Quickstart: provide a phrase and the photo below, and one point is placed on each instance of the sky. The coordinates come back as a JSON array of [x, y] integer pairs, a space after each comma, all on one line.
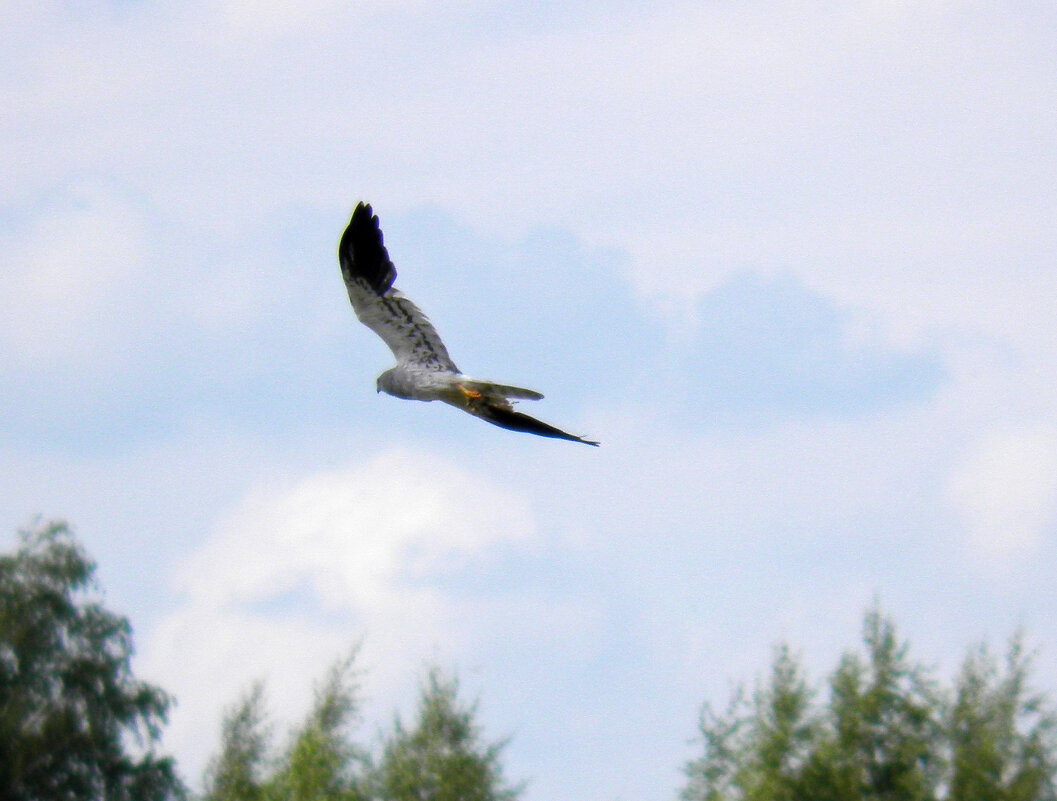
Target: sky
[[792, 263]]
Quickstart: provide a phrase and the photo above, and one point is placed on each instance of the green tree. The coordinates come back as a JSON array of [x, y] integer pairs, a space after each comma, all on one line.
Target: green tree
[[757, 749], [321, 763], [715, 775], [885, 725], [237, 773], [1003, 736], [442, 757], [886, 733], [782, 731], [69, 705]]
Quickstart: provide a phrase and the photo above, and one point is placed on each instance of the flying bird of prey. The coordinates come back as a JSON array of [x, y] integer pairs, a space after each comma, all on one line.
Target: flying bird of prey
[[423, 371]]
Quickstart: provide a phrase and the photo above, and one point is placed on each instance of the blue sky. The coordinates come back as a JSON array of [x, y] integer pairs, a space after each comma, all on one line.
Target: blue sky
[[792, 263]]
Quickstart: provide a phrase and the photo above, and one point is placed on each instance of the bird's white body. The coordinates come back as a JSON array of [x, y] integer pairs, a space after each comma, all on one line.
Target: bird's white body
[[408, 384]]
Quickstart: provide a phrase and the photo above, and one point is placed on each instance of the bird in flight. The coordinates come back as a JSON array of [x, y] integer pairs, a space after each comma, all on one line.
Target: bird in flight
[[423, 371]]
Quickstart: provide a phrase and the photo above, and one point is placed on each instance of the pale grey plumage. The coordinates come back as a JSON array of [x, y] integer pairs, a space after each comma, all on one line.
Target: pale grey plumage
[[424, 370]]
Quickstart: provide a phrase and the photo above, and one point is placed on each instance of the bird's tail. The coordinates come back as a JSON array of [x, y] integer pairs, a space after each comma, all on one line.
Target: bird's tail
[[487, 388]]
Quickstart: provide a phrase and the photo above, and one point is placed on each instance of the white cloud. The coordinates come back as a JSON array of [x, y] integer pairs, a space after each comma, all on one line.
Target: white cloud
[[296, 575], [69, 276], [355, 535], [894, 155], [889, 155], [1005, 490], [263, 20]]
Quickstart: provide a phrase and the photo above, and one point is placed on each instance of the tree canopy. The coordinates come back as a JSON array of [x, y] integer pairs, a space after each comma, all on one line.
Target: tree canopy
[[439, 758], [888, 731], [69, 704]]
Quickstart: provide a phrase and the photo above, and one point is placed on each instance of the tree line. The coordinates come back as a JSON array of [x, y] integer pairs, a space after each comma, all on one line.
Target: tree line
[[75, 724]]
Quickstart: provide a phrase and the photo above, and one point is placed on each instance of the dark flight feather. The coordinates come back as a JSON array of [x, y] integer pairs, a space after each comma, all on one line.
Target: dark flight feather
[[518, 421], [362, 253]]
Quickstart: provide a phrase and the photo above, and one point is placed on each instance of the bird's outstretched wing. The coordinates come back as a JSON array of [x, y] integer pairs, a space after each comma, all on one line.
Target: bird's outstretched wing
[[369, 276], [503, 415]]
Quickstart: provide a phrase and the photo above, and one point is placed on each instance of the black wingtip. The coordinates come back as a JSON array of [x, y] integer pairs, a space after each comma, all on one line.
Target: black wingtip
[[362, 252], [518, 421]]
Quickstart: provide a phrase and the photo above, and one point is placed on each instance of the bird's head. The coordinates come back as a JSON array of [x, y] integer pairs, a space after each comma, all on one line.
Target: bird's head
[[391, 383]]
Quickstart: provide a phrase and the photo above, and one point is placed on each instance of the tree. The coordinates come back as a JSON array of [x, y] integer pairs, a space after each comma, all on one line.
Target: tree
[[442, 757], [1003, 736], [757, 749], [886, 733], [885, 725], [321, 763], [69, 705], [236, 774], [783, 729]]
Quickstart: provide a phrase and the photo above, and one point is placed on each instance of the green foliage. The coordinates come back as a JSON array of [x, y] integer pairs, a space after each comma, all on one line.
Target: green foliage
[[321, 763], [715, 775], [887, 733], [784, 730], [757, 749], [238, 772], [1003, 738], [68, 701], [885, 725], [441, 758]]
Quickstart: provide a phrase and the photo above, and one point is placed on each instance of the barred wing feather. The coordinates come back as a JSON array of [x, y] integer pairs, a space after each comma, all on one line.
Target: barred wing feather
[[369, 275]]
